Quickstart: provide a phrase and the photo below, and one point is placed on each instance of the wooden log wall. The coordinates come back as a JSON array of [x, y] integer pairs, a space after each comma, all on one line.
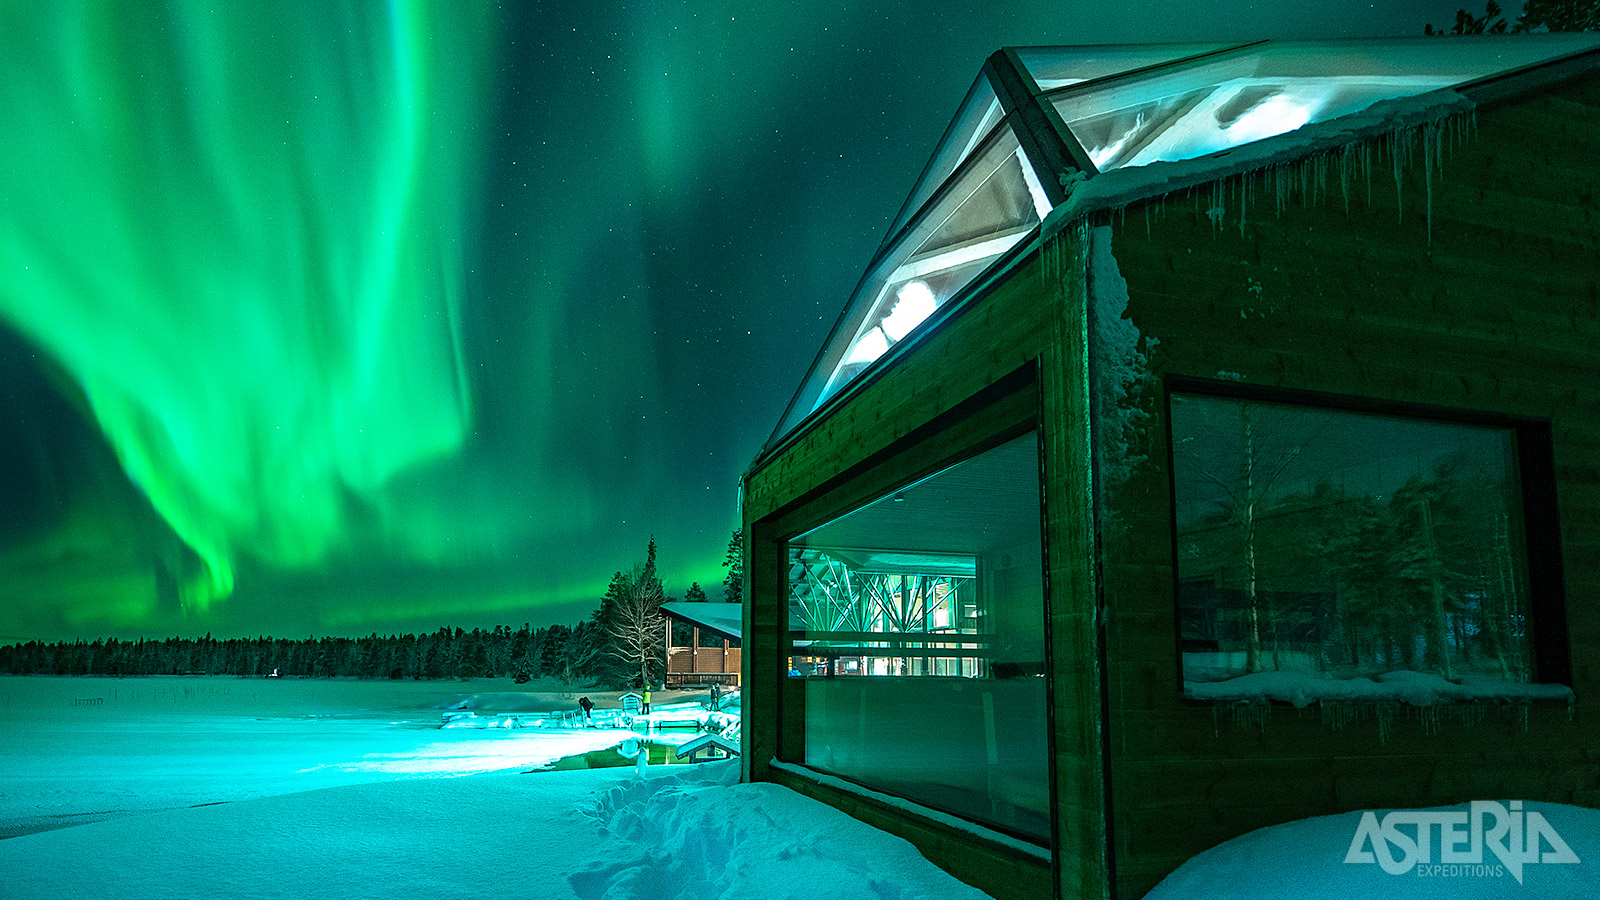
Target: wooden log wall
[[1494, 308]]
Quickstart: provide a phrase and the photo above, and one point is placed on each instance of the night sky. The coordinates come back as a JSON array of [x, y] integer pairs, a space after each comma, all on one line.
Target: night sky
[[347, 317]]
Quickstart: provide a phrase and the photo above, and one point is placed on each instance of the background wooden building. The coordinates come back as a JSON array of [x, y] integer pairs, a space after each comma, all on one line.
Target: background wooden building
[[1213, 442], [703, 642]]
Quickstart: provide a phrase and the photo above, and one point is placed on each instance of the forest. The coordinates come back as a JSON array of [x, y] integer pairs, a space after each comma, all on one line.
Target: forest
[[525, 653], [622, 643]]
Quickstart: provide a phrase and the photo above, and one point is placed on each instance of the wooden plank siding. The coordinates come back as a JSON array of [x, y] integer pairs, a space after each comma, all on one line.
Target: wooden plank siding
[[1495, 312], [708, 660]]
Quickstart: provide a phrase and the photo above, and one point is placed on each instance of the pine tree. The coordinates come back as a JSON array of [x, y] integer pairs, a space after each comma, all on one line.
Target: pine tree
[[521, 671], [649, 572], [695, 594], [1559, 15], [733, 585], [553, 652], [1537, 16], [1491, 22]]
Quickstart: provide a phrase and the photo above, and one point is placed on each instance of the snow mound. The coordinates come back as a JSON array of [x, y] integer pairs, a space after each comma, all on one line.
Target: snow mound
[[1305, 860], [701, 835]]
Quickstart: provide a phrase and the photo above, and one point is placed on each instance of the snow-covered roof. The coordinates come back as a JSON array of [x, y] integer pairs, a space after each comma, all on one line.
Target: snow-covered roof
[[1039, 121], [723, 618]]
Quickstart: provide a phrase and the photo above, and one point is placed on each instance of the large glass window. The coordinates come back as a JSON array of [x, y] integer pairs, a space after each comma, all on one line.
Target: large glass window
[[917, 641], [1327, 544]]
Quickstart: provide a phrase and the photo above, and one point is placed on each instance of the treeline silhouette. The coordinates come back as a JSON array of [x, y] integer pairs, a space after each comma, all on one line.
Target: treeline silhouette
[[609, 647], [525, 653]]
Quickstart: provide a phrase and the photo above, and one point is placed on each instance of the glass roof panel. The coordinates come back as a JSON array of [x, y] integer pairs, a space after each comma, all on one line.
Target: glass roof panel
[[1190, 110], [1127, 106], [992, 203], [980, 112], [1056, 67]]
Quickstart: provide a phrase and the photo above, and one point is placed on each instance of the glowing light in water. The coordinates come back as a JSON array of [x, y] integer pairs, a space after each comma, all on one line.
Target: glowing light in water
[[240, 229]]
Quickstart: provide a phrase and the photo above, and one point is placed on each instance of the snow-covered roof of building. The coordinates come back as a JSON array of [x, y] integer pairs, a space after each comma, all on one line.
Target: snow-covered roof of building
[[1039, 121], [723, 618]]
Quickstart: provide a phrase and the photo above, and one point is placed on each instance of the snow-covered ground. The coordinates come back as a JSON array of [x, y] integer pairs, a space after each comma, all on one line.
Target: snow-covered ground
[[75, 750], [689, 832], [680, 831], [225, 788]]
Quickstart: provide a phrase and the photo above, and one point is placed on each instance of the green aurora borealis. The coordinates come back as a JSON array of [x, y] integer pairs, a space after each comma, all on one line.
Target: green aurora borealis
[[331, 317]]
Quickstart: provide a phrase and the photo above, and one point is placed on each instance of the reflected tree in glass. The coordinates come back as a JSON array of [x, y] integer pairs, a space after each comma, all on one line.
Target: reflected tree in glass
[[1324, 540]]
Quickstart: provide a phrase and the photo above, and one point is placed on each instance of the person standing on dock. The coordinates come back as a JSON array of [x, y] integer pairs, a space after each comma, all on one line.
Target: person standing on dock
[[644, 706], [587, 705]]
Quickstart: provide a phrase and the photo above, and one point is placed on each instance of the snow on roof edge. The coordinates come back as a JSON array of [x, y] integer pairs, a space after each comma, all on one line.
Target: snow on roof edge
[[1122, 187], [709, 614]]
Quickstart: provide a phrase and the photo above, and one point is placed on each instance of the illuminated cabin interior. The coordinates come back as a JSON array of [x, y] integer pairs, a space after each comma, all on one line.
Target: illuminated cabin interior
[[1196, 388]]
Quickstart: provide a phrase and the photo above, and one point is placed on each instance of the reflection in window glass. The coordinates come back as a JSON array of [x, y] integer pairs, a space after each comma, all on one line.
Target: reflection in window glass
[[917, 624], [1346, 545]]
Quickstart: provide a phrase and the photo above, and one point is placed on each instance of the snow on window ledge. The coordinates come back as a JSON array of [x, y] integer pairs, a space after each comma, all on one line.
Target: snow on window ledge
[[917, 809], [1302, 689]]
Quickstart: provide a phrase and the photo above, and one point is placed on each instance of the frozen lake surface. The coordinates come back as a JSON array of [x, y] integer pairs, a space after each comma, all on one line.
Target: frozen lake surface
[[76, 750]]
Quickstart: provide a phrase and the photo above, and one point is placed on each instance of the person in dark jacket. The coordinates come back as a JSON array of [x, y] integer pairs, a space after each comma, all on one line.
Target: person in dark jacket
[[587, 706]]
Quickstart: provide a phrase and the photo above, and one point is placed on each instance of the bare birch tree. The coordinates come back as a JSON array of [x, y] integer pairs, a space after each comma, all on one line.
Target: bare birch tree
[[1244, 493], [638, 631]]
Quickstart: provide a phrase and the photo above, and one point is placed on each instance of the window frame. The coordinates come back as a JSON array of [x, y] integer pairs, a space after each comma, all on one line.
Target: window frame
[[1535, 463], [1007, 409]]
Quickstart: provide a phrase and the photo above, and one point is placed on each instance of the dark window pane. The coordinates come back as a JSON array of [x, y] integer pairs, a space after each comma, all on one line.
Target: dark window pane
[[682, 634], [1337, 544], [918, 625]]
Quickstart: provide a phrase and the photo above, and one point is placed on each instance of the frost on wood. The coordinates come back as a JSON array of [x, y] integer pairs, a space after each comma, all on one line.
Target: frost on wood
[[1119, 357]]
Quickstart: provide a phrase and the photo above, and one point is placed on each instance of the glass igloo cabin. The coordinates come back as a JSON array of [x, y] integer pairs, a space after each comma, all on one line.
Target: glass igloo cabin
[[1211, 443]]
